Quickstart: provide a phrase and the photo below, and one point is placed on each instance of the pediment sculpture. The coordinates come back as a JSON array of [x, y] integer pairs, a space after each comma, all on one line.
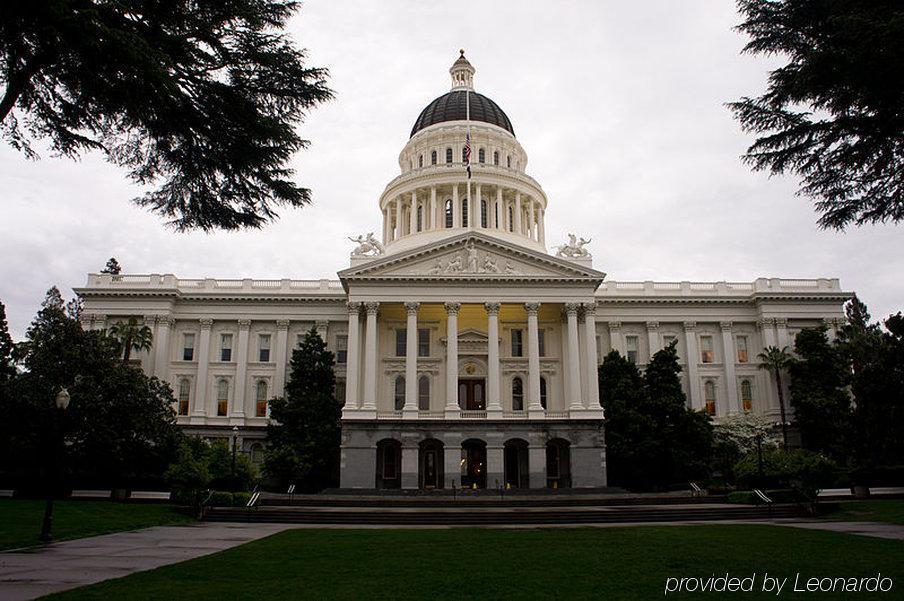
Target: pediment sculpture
[[469, 261]]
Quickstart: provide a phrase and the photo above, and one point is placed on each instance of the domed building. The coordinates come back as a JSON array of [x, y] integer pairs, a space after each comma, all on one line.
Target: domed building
[[466, 351]]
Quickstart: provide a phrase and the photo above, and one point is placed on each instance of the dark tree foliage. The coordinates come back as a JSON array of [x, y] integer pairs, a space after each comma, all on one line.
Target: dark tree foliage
[[834, 114], [653, 441], [876, 358], [7, 363], [822, 405], [200, 98], [112, 267], [304, 440], [119, 426]]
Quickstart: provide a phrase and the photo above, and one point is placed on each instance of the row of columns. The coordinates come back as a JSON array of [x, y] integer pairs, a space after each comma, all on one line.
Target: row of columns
[[527, 213]]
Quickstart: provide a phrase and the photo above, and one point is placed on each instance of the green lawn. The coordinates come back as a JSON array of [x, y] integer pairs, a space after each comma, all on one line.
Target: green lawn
[[891, 511], [585, 563], [20, 520]]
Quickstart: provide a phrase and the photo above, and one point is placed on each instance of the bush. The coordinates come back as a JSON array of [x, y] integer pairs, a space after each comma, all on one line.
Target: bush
[[219, 499], [748, 497], [200, 465], [240, 499], [793, 468]]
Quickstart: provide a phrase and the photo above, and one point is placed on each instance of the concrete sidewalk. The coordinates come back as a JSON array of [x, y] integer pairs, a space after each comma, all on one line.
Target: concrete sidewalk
[[875, 529], [65, 565]]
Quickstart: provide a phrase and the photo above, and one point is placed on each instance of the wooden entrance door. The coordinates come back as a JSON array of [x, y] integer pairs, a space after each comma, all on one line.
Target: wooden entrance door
[[471, 394]]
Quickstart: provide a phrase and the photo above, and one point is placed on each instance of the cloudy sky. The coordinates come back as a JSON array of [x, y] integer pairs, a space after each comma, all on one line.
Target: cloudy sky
[[619, 106]]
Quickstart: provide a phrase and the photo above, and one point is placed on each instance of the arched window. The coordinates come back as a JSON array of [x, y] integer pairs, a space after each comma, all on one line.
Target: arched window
[[483, 213], [423, 393], [509, 161], [746, 395], [517, 394], [481, 155], [260, 407], [496, 215], [463, 153], [184, 392], [399, 393], [433, 157], [511, 219], [709, 394], [449, 213], [464, 212], [495, 157], [543, 393], [448, 155], [420, 161], [222, 397], [420, 218]]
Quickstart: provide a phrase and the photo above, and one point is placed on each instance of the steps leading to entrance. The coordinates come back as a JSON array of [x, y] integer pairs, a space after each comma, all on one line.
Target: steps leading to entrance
[[453, 514]]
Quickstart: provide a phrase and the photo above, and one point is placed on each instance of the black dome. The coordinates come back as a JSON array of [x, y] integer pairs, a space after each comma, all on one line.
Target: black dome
[[451, 107]]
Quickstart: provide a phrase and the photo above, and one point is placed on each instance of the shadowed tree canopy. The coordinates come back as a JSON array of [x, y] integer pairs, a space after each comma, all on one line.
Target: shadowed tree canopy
[[834, 114], [197, 99]]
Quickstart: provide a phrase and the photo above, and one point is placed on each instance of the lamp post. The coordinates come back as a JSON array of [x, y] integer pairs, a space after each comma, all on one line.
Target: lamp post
[[62, 403], [235, 433]]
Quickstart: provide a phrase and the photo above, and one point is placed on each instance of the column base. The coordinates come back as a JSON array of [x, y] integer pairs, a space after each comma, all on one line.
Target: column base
[[494, 413], [584, 413], [359, 414], [409, 413], [453, 413], [537, 412]]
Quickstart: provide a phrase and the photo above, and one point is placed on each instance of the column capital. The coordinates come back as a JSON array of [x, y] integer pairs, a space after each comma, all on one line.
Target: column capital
[[372, 308], [282, 324], [321, 324], [492, 308], [766, 321], [572, 308], [411, 307], [353, 308], [781, 322], [590, 309], [689, 326], [244, 324], [452, 308], [205, 323], [166, 321], [725, 325], [532, 308], [150, 319], [614, 326], [652, 325]]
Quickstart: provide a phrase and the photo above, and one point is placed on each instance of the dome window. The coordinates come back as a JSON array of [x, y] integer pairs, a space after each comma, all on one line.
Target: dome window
[[483, 213], [433, 158], [464, 212], [449, 210], [481, 156], [420, 161], [511, 219], [449, 156], [509, 160], [495, 157], [420, 218]]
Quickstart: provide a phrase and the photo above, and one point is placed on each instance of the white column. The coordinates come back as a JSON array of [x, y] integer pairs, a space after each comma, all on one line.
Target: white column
[[386, 220], [352, 369], [693, 358], [615, 337], [574, 363], [452, 359], [432, 207], [498, 210], [410, 408], [241, 370], [728, 348], [280, 356], [162, 346], [370, 357], [784, 337], [531, 221], [518, 213], [652, 338], [591, 359], [542, 226], [456, 207], [494, 400], [767, 328], [398, 218], [412, 215], [478, 198], [200, 408], [533, 358]]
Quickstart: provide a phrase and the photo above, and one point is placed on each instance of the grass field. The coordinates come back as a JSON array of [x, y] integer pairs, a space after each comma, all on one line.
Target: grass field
[[891, 511], [584, 563], [20, 520]]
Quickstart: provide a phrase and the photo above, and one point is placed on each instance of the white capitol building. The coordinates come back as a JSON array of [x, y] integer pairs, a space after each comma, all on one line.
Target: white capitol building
[[466, 352]]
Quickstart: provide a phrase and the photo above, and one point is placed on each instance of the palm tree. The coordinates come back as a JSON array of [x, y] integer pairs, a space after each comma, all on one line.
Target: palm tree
[[130, 336], [776, 360]]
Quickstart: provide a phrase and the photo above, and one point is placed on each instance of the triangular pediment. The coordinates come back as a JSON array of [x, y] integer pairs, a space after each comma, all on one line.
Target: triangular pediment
[[472, 256]]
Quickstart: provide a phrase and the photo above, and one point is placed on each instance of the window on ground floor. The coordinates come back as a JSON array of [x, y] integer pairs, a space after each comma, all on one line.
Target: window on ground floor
[[222, 397], [709, 395], [184, 393], [746, 395], [423, 393], [260, 406]]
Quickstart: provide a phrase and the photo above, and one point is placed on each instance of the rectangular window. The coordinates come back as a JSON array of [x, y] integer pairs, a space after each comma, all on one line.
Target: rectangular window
[[517, 343], [741, 343], [263, 343], [188, 347], [423, 342], [340, 392], [631, 344], [226, 347], [706, 349], [342, 349], [401, 342], [184, 392], [222, 397], [541, 342]]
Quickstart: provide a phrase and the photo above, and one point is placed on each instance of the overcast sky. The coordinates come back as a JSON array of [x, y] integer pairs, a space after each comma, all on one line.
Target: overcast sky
[[619, 105]]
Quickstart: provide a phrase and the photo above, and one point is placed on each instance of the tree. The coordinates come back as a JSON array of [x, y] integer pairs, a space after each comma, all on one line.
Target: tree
[[112, 267], [834, 114], [7, 363], [304, 434], [822, 405], [130, 336], [202, 98], [776, 360]]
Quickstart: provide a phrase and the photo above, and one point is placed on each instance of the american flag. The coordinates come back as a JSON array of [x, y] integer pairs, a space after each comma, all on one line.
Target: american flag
[[467, 153]]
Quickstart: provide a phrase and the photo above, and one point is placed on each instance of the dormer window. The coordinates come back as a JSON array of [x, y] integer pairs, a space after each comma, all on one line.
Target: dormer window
[[495, 157], [448, 156]]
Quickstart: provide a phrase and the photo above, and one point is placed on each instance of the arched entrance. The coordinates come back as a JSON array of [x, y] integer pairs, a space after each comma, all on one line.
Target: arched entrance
[[474, 463], [516, 466], [389, 464], [558, 463], [430, 464]]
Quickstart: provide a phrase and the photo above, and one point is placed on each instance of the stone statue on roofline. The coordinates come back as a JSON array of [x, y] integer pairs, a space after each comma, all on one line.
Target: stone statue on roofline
[[574, 249], [368, 246]]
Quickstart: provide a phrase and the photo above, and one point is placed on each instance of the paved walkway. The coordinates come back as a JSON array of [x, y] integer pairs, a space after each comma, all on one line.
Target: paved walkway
[[876, 529], [70, 564]]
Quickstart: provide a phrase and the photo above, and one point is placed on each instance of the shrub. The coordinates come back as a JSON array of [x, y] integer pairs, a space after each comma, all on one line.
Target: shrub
[[748, 497], [220, 499], [793, 468], [240, 499]]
